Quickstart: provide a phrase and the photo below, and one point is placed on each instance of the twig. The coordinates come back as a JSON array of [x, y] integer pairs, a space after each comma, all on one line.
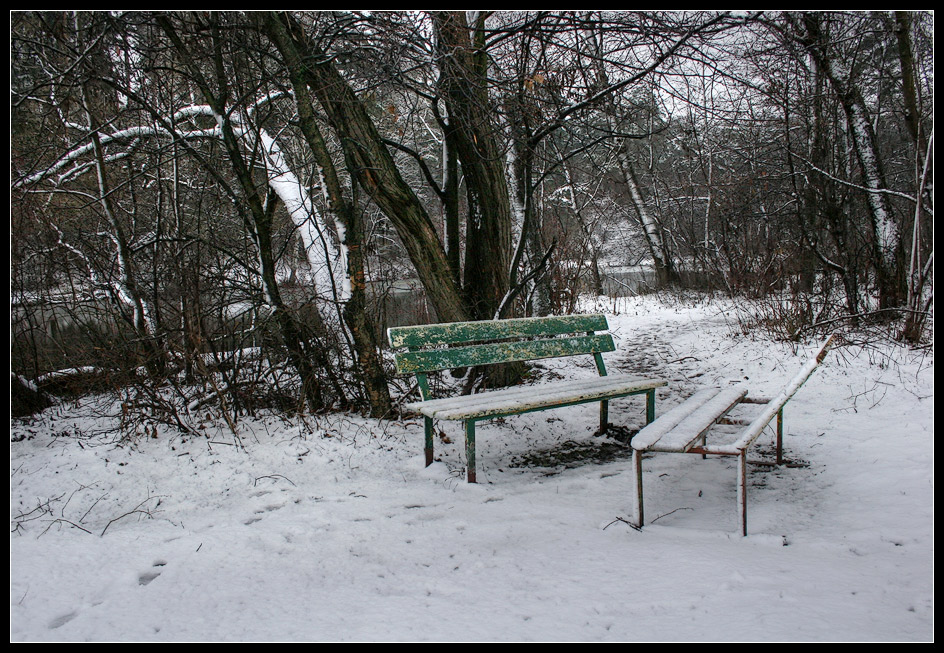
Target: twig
[[70, 523], [92, 506], [900, 309], [136, 510], [857, 186], [669, 513], [683, 358], [628, 523], [273, 476], [44, 506]]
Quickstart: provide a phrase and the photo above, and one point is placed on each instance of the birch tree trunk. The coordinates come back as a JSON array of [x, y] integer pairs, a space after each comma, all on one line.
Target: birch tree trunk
[[652, 230], [886, 237]]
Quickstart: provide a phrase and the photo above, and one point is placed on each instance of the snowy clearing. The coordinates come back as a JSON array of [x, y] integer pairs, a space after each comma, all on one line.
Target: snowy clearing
[[331, 528]]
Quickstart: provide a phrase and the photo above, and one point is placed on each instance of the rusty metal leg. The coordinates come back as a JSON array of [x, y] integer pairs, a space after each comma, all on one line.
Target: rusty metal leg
[[428, 427], [637, 502], [780, 436], [742, 491], [604, 415], [650, 406], [470, 449]]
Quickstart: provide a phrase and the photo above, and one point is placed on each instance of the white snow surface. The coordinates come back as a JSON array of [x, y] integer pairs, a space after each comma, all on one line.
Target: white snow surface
[[330, 528]]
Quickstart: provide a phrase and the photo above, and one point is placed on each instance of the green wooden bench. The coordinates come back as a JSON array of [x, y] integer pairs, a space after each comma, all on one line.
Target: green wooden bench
[[435, 347], [684, 429]]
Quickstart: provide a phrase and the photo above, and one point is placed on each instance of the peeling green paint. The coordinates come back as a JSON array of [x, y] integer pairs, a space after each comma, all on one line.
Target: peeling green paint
[[469, 344], [459, 332], [500, 352]]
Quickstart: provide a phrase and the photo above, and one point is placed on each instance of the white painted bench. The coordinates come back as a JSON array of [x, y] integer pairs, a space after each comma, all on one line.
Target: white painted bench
[[684, 429]]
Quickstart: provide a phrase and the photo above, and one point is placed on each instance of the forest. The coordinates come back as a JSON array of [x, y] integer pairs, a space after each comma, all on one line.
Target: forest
[[229, 209]]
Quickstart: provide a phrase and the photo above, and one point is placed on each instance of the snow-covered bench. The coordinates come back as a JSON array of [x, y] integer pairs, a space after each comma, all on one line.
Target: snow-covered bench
[[684, 429], [453, 345]]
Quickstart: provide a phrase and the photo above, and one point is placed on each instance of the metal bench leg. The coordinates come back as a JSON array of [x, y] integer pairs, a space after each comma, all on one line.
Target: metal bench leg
[[650, 406], [429, 440], [604, 415], [780, 436], [470, 449], [637, 503], [742, 491]]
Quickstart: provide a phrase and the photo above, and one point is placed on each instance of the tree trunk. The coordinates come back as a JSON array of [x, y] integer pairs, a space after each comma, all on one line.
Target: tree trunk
[[488, 230], [376, 172], [355, 308], [886, 239], [451, 205], [258, 223], [463, 81], [655, 238]]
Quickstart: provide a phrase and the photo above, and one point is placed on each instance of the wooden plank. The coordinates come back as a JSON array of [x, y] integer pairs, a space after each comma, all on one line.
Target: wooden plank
[[696, 424], [501, 352], [756, 427], [668, 421], [456, 332], [522, 399]]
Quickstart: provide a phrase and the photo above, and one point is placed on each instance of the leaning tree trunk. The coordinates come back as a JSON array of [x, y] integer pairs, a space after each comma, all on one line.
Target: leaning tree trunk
[[307, 360], [376, 172], [886, 239], [655, 238], [355, 307]]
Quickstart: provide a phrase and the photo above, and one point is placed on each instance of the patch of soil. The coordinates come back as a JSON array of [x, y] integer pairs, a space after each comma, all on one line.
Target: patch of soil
[[570, 454]]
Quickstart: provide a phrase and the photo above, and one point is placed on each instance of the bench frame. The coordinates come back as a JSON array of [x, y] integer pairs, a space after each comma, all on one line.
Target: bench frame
[[684, 429], [436, 347]]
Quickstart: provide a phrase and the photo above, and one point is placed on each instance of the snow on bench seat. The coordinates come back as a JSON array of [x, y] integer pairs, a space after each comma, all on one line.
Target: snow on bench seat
[[677, 430], [525, 398], [687, 425]]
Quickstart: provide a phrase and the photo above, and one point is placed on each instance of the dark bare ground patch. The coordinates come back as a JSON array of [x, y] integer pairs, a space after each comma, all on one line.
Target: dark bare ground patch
[[570, 454]]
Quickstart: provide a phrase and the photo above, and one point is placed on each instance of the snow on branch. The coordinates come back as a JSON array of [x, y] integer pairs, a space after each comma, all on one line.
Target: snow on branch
[[129, 134], [327, 259]]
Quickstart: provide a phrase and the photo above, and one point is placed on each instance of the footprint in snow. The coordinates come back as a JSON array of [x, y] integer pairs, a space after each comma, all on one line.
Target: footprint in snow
[[257, 515], [62, 620], [150, 575]]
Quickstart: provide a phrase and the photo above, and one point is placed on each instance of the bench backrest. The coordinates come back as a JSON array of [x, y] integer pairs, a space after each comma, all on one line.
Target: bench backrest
[[435, 347]]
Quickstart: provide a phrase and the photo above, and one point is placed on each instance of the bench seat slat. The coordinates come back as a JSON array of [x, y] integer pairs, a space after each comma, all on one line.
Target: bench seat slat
[[533, 397], [669, 420], [687, 422]]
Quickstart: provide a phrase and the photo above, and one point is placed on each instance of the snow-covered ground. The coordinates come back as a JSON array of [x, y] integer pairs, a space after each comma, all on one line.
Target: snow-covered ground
[[332, 529]]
